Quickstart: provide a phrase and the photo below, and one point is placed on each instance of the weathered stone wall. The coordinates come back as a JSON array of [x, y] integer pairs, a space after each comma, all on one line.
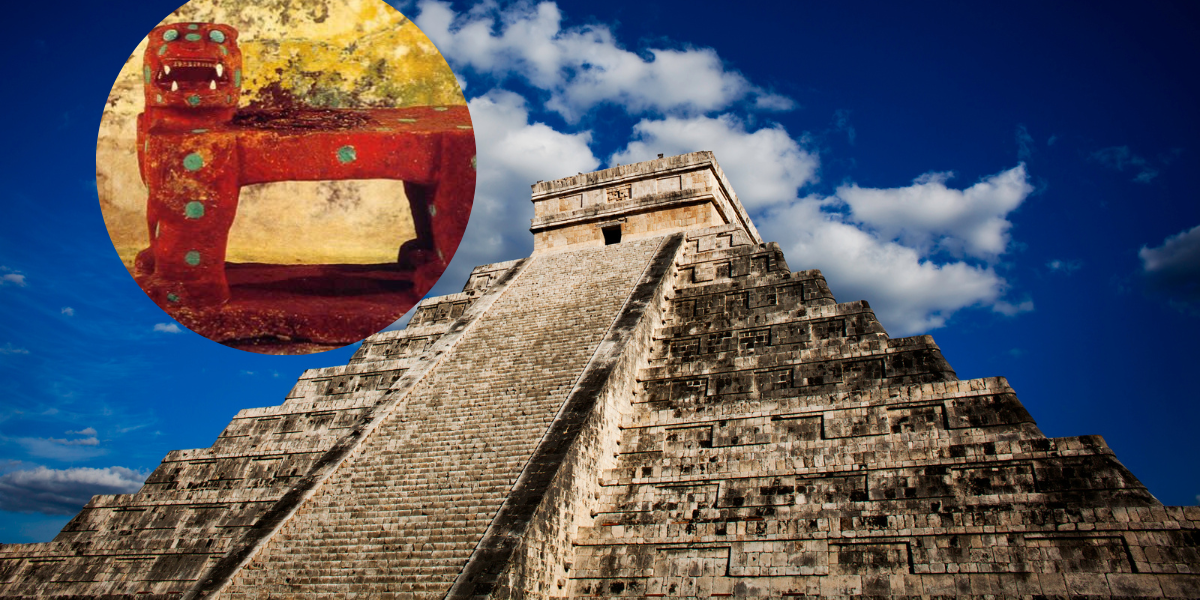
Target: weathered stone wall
[[783, 445]]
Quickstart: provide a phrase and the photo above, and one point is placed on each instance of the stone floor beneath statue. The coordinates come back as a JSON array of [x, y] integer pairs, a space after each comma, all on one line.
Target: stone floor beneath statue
[[301, 309]]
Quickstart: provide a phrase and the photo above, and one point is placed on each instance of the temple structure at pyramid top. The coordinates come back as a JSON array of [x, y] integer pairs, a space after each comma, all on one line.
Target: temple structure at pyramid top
[[640, 200], [652, 404]]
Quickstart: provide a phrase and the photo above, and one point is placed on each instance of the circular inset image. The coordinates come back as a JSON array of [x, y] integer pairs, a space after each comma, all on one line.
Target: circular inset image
[[287, 176]]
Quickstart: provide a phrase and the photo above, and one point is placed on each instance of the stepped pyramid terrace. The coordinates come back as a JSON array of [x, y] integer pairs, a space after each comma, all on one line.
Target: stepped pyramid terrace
[[652, 404]]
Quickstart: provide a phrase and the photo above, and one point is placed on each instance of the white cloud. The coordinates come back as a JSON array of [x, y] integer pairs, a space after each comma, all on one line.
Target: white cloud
[[841, 122], [515, 152], [62, 449], [775, 102], [929, 216], [167, 327], [16, 279], [1009, 309], [88, 441], [584, 66], [1122, 158], [1025, 143], [766, 166], [63, 491], [1178, 253], [909, 294], [880, 245], [1174, 266], [1064, 266], [67, 310], [85, 441], [8, 348]]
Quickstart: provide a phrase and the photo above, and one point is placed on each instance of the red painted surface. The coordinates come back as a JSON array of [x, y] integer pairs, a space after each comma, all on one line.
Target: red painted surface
[[195, 151]]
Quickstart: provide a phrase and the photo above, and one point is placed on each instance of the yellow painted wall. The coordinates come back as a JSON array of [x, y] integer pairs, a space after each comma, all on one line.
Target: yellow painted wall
[[323, 54]]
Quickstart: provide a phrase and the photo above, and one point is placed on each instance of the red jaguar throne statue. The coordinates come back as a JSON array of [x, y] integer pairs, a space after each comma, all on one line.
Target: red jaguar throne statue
[[196, 150]]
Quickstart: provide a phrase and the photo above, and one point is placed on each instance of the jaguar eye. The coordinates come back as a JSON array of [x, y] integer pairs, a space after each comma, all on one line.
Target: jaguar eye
[[216, 36], [170, 35]]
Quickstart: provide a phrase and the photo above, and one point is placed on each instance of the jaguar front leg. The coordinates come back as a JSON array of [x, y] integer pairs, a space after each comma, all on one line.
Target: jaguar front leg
[[193, 199]]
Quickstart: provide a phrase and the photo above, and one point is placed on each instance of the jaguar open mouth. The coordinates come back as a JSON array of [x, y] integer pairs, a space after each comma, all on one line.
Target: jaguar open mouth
[[190, 75]]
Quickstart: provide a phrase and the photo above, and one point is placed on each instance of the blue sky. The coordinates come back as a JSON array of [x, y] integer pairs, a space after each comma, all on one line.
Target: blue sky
[[1018, 180]]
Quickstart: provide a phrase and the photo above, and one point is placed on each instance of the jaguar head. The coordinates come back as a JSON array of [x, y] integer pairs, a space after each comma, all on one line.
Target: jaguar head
[[193, 66]]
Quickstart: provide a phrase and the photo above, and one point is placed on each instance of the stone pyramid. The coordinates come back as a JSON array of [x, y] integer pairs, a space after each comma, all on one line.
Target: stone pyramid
[[651, 405]]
